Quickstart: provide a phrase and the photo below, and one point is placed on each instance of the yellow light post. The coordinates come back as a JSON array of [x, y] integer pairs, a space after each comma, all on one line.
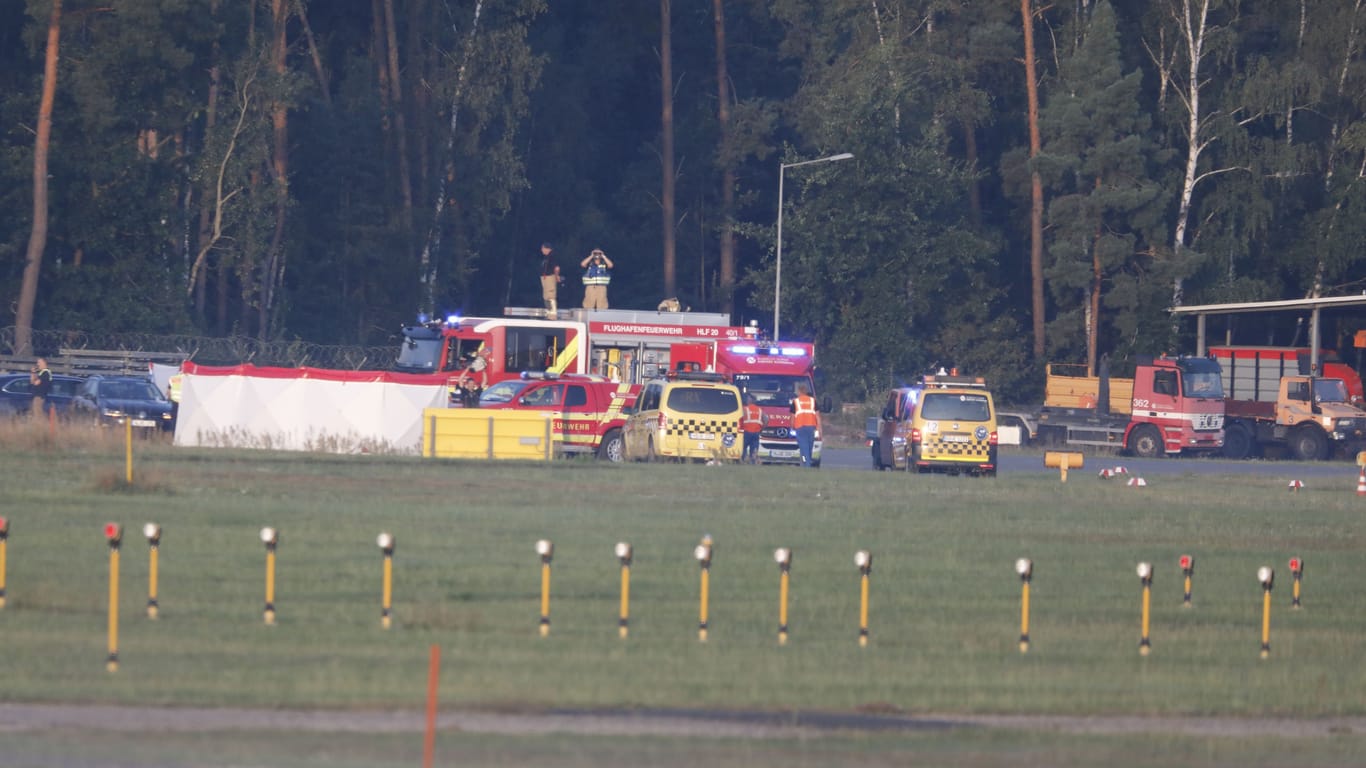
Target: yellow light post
[[270, 537], [546, 549], [128, 449], [783, 557], [4, 545], [1145, 575], [703, 553], [624, 553], [386, 602], [153, 533], [1025, 568], [1187, 570], [1266, 576], [1296, 571], [864, 560], [113, 532]]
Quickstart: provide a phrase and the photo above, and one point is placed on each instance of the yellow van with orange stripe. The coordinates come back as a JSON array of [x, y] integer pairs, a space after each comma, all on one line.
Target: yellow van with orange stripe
[[943, 423], [689, 417]]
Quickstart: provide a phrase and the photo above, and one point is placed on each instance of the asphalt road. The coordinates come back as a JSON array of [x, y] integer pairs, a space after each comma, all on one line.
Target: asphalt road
[[1029, 461]]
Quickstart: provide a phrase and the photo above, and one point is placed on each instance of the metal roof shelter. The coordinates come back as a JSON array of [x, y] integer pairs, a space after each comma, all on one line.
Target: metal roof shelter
[[1313, 306]]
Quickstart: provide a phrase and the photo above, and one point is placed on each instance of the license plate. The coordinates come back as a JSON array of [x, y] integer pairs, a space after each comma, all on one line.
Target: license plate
[[701, 436], [144, 423], [954, 438], [783, 454]]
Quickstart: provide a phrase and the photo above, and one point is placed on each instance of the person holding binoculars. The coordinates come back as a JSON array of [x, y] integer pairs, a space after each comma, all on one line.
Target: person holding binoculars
[[596, 279]]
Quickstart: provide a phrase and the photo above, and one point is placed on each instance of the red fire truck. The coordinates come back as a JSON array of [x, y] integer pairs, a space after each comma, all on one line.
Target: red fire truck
[[1170, 406], [626, 346]]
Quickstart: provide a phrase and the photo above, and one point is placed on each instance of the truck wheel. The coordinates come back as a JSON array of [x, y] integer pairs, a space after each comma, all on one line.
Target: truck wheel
[[1309, 443], [613, 447], [1146, 442], [1237, 442]]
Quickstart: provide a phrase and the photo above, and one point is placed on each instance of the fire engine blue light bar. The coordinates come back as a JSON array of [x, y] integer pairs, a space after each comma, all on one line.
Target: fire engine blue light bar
[[744, 349], [452, 319], [794, 352]]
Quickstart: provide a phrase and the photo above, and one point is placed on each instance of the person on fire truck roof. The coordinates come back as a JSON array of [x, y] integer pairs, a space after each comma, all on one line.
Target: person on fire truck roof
[[596, 279]]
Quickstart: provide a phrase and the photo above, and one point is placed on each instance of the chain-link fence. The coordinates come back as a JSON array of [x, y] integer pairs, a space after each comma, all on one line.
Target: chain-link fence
[[209, 350]]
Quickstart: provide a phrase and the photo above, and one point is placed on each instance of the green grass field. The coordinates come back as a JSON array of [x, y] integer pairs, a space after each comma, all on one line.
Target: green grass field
[[944, 618]]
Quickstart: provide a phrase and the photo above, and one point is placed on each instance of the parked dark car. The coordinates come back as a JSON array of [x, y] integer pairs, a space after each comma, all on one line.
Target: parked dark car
[[111, 399], [16, 393]]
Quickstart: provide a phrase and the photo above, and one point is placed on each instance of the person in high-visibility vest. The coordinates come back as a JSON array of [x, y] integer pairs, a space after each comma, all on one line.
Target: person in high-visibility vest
[[805, 421], [752, 423], [596, 279]]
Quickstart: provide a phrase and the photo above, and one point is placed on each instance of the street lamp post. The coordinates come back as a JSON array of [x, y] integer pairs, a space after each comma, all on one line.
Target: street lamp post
[[778, 277]]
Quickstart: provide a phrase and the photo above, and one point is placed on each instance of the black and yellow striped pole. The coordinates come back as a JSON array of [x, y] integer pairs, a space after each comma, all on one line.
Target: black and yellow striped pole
[[271, 538], [4, 546], [783, 557], [113, 532], [1296, 572], [1187, 570], [386, 601], [864, 560], [703, 553], [624, 553], [153, 533], [546, 549], [1145, 575], [1025, 568], [1266, 576]]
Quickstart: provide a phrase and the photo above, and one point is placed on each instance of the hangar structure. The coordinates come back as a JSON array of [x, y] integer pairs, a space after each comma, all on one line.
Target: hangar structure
[[1314, 307]]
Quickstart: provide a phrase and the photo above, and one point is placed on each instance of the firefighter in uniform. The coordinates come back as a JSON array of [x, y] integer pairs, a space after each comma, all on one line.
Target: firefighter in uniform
[[805, 421], [596, 279], [550, 279], [752, 423]]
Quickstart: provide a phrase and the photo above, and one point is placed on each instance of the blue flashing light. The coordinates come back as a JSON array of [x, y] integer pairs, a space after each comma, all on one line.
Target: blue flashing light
[[743, 349], [773, 350], [794, 352], [421, 318], [452, 319]]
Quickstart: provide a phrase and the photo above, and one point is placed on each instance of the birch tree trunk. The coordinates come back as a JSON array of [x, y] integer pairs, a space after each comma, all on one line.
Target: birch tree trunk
[[37, 239], [728, 164], [427, 270], [1193, 28], [666, 79], [1035, 184]]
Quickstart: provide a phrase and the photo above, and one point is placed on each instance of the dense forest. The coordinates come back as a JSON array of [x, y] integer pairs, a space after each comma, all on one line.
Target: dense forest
[[1030, 181]]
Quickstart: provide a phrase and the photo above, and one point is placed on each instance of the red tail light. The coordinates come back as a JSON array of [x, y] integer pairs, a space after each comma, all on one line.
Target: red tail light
[[663, 422], [994, 439], [915, 435]]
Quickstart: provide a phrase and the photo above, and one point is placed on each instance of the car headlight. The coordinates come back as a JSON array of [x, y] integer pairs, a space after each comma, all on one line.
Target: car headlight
[[112, 413], [1346, 423]]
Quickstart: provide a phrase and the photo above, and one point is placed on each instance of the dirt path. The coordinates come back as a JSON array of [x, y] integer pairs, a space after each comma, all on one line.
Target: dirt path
[[745, 725]]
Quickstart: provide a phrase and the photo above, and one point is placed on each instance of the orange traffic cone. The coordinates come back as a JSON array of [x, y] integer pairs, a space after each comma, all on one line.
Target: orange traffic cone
[[1361, 482]]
